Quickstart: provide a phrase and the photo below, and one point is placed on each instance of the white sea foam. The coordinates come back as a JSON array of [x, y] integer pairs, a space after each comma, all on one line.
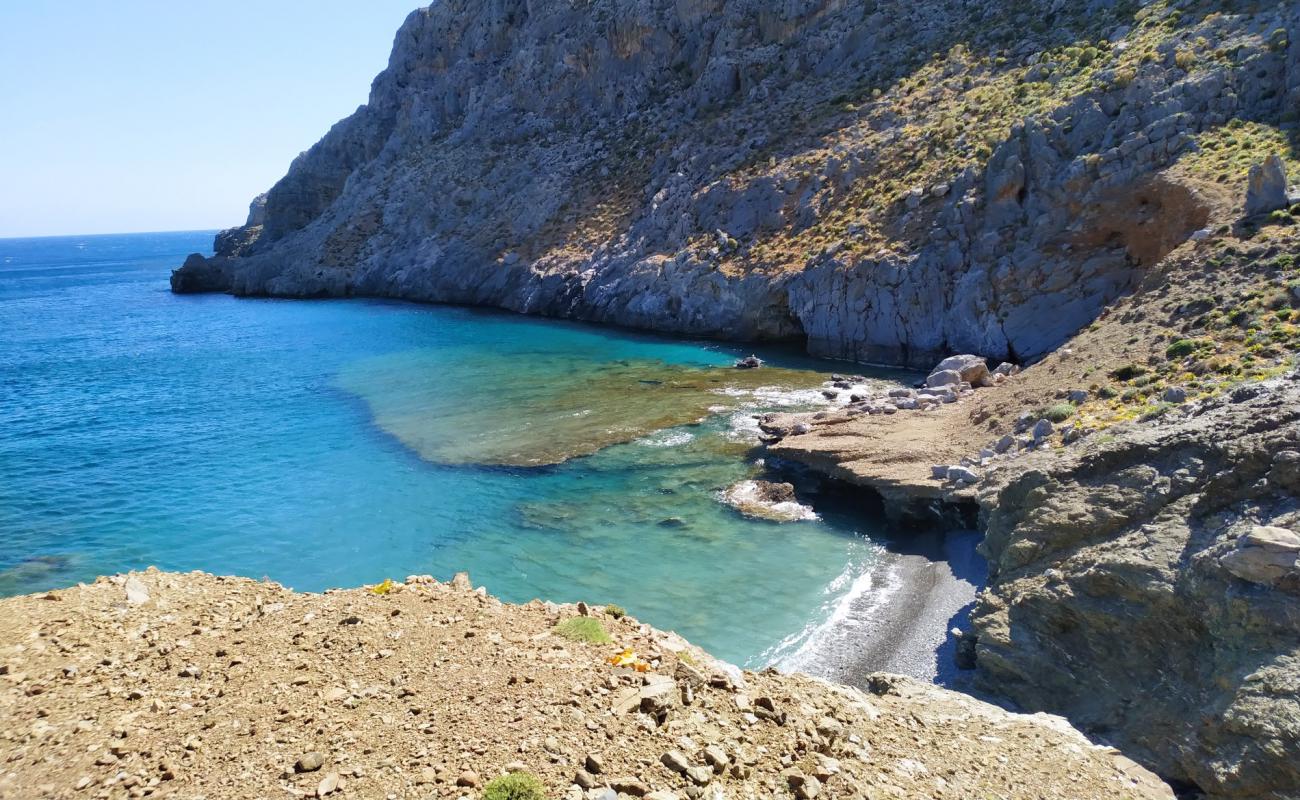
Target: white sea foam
[[838, 618], [666, 439], [746, 498]]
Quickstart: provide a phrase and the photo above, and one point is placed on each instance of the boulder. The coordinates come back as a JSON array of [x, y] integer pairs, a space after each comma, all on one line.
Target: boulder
[[1266, 187], [749, 362], [963, 474], [971, 368], [1042, 429], [943, 377]]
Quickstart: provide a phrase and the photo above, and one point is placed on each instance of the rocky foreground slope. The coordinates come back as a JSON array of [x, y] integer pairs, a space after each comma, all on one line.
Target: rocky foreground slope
[[889, 181], [164, 685]]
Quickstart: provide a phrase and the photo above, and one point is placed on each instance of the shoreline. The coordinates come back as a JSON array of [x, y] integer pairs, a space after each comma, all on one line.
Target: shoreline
[[900, 622]]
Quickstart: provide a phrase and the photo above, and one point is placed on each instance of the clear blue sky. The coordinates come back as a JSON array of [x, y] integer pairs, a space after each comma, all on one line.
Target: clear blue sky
[[154, 115]]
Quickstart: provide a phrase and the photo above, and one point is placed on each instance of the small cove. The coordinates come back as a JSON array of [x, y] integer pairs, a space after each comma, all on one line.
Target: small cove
[[334, 443]]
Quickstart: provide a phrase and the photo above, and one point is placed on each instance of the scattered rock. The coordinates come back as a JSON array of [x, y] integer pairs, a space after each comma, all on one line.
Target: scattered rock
[[468, 778], [310, 762], [749, 362]]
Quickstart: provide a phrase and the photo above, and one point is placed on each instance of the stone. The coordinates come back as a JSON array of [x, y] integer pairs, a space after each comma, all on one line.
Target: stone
[[962, 474], [661, 795], [675, 761], [700, 776], [584, 779], [594, 764], [1174, 394], [136, 592], [1077, 396], [468, 778], [1042, 429], [940, 471], [1266, 187], [716, 757], [947, 377], [310, 762], [970, 368], [749, 362], [1004, 444], [328, 784], [1272, 538], [630, 785]]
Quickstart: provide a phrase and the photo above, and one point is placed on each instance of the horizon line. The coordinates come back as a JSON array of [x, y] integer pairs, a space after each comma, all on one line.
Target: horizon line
[[107, 233]]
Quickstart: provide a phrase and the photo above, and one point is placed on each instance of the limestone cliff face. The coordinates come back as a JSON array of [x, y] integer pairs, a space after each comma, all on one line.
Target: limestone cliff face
[[1146, 586], [891, 180]]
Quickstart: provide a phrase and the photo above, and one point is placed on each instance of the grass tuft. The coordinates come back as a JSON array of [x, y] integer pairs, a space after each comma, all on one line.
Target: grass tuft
[[515, 786], [583, 629]]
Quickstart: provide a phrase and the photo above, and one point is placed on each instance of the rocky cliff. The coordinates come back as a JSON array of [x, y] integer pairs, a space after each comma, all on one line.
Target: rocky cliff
[[163, 685], [1147, 585], [888, 180]]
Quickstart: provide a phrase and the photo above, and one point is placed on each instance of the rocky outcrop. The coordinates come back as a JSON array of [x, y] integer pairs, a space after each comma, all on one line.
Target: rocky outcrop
[[1266, 187], [157, 684], [714, 167], [1145, 585]]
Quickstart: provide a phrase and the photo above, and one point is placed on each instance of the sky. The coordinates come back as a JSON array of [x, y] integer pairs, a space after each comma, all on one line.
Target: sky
[[119, 116]]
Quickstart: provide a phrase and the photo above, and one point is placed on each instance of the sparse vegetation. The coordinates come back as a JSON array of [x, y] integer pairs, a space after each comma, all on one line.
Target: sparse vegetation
[[1060, 412], [515, 786], [582, 629]]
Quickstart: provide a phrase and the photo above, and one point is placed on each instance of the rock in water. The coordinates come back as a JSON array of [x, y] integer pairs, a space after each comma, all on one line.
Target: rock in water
[[1266, 187], [749, 362]]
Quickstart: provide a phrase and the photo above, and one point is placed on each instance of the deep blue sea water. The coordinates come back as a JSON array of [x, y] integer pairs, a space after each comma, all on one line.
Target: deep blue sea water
[[334, 443]]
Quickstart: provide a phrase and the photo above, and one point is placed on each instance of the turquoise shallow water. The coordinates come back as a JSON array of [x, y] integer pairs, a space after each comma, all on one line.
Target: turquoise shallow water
[[246, 436]]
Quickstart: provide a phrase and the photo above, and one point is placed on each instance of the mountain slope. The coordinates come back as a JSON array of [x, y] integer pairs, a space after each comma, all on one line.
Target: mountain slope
[[891, 181]]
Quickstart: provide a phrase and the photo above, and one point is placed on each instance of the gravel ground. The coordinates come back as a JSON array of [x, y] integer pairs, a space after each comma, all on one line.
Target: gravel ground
[[193, 686]]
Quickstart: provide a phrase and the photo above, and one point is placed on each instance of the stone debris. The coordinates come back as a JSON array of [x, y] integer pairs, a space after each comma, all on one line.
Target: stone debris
[[293, 704]]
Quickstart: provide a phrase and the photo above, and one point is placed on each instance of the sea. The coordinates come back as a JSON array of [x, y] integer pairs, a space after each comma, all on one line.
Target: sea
[[335, 443]]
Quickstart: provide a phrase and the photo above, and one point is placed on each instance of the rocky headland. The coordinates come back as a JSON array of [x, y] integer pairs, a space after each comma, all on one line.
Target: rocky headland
[[1082, 210]]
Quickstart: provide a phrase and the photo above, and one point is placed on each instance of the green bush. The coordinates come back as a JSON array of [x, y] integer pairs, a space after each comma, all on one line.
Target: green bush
[[1059, 412], [583, 629], [1128, 372], [1181, 348], [617, 612], [515, 786]]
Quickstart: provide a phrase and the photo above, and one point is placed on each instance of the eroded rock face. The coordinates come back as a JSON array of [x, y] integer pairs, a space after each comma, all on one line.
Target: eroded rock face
[[619, 162], [1146, 587]]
